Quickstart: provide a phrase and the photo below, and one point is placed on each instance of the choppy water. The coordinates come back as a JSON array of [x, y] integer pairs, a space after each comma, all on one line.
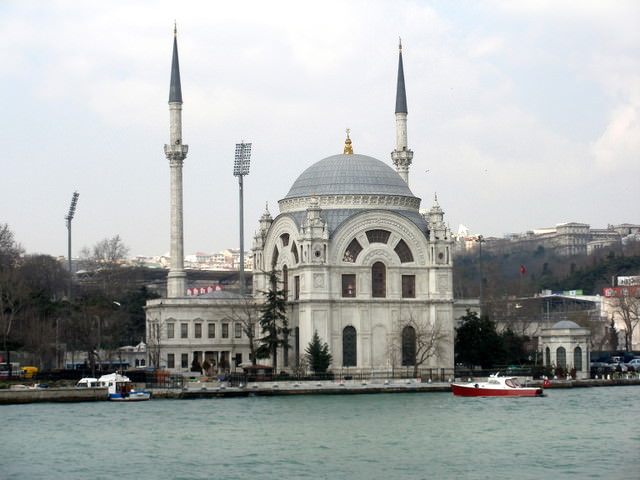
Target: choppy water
[[576, 433]]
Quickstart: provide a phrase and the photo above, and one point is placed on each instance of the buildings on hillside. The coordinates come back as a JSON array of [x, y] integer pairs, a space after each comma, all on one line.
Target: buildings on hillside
[[225, 260], [360, 265], [564, 239]]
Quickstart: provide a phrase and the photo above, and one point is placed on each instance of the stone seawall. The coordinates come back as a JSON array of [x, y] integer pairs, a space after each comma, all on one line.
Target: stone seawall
[[221, 390], [32, 395]]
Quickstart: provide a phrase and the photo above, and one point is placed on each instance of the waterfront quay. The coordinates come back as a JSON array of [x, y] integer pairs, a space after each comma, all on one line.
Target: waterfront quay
[[194, 390], [348, 387]]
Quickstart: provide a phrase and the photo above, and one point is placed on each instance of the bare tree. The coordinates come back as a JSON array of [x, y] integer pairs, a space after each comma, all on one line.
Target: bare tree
[[109, 252], [247, 314], [104, 263], [417, 341], [154, 342], [12, 293], [626, 306]]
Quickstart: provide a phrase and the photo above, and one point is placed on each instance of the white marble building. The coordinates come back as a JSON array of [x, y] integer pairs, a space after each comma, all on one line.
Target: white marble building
[[566, 344], [356, 257]]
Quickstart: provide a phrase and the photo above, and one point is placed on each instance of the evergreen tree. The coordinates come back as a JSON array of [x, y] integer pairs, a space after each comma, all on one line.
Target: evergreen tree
[[478, 342], [318, 355], [273, 321]]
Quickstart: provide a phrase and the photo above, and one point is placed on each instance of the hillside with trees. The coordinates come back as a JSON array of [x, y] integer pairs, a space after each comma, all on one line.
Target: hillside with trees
[[500, 273]]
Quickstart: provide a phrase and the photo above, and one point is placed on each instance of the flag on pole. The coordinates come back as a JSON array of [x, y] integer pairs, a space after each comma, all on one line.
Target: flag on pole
[[522, 270]]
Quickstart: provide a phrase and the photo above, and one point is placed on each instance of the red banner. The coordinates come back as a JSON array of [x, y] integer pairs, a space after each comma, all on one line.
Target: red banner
[[621, 292], [193, 292]]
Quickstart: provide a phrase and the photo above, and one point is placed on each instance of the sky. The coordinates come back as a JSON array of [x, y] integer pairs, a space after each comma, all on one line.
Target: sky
[[522, 115]]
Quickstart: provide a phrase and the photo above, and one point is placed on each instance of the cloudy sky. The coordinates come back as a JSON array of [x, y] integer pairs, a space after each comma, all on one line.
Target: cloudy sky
[[521, 114]]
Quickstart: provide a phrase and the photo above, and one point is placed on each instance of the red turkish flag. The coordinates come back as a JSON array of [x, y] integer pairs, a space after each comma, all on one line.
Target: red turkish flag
[[523, 270]]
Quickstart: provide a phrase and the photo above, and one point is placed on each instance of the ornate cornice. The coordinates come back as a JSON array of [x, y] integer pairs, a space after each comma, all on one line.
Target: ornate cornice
[[351, 201]]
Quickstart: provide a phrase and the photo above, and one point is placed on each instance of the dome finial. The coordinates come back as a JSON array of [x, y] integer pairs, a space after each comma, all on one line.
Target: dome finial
[[348, 150], [400, 43]]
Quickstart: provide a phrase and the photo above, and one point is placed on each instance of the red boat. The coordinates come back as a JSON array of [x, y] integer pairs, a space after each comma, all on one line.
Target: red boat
[[496, 386]]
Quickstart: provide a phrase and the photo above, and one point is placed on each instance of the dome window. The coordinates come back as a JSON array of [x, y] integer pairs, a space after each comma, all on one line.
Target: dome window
[[404, 252], [378, 236], [352, 251]]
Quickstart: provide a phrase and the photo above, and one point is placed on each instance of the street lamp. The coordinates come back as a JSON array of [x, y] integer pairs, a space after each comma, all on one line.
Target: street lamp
[[240, 169], [480, 240], [68, 218]]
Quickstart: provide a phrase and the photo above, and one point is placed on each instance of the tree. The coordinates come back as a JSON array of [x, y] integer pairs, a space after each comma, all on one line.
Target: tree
[[246, 314], [154, 343], [273, 321], [478, 342], [626, 306], [514, 347], [12, 292], [104, 265], [418, 342], [44, 281], [317, 354]]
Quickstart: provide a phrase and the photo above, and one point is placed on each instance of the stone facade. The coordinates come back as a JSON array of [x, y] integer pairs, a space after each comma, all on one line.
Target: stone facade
[[567, 345], [358, 261], [357, 275]]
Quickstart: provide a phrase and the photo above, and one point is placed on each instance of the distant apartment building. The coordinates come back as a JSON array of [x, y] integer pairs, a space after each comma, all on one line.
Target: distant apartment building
[[226, 260], [565, 239]]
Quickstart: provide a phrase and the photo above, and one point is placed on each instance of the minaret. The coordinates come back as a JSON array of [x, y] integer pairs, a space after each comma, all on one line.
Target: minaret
[[401, 156], [176, 152]]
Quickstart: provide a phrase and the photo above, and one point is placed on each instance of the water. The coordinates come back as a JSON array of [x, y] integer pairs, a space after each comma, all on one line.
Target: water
[[574, 433]]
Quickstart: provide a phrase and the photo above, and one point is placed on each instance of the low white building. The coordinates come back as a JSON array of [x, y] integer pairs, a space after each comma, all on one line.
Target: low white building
[[566, 344]]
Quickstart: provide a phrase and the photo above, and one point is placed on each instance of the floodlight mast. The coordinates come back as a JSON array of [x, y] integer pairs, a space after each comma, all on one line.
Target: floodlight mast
[[240, 169], [68, 218]]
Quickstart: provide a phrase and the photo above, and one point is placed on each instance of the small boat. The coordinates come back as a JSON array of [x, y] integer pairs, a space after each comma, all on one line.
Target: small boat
[[496, 386], [119, 387]]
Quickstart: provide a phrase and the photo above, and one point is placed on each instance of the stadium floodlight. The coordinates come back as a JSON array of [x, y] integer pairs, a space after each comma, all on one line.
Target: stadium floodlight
[[68, 218], [243, 159], [240, 169]]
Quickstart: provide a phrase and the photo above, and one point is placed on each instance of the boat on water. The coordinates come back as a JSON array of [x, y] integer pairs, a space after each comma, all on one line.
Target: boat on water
[[119, 387], [496, 386]]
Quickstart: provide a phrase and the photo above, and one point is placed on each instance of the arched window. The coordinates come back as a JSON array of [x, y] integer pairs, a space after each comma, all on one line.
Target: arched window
[[352, 251], [274, 258], [349, 347], [408, 346], [285, 281], [378, 280], [404, 252], [378, 236], [547, 356], [577, 359], [285, 239], [561, 357], [294, 251]]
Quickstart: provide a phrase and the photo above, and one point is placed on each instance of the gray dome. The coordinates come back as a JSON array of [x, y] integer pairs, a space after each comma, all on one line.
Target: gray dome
[[350, 174], [566, 324]]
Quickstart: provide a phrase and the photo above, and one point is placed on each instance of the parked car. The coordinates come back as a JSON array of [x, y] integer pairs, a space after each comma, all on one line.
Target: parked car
[[619, 365], [635, 363]]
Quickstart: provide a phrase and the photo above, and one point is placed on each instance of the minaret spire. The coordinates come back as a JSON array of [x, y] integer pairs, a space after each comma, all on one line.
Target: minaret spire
[[175, 90], [401, 156], [176, 152]]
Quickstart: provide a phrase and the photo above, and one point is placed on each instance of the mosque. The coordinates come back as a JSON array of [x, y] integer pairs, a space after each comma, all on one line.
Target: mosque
[[360, 263]]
